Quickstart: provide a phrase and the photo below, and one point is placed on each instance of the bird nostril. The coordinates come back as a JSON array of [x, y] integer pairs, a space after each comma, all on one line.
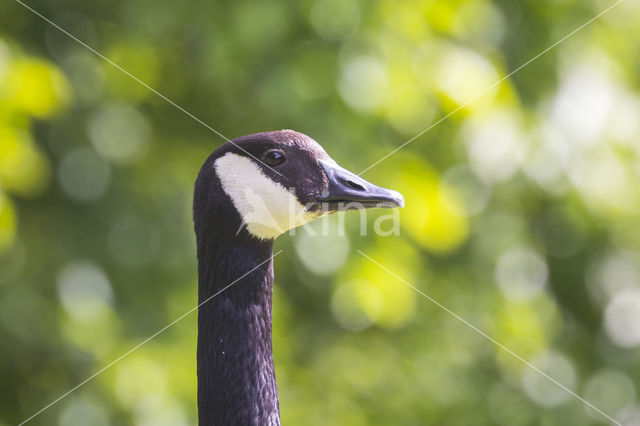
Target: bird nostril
[[355, 186]]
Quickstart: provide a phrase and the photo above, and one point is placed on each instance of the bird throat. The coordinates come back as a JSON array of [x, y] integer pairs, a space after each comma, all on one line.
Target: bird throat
[[236, 377]]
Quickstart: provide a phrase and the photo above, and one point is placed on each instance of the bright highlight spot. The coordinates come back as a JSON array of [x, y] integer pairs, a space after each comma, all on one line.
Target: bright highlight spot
[[355, 305], [613, 273], [622, 318], [434, 213], [382, 298], [495, 145], [543, 391], [610, 391], [34, 87], [521, 273], [23, 168], [85, 291], [462, 74], [582, 104], [83, 411], [325, 252], [139, 378], [83, 174], [363, 83], [119, 132]]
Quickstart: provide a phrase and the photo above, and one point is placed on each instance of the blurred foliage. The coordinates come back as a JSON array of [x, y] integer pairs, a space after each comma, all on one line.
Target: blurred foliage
[[522, 207]]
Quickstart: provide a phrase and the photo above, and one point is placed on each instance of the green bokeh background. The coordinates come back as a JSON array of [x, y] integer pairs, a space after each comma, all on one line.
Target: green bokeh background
[[522, 207]]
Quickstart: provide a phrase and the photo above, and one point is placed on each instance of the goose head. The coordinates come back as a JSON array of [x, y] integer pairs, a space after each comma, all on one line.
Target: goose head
[[264, 184]]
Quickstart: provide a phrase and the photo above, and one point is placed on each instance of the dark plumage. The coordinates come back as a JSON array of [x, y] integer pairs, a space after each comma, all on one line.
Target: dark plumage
[[236, 378]]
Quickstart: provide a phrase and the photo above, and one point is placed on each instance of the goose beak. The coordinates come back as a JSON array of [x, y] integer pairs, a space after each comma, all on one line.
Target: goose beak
[[349, 191]]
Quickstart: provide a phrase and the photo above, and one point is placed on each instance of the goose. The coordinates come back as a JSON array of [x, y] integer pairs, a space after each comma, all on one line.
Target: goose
[[249, 191]]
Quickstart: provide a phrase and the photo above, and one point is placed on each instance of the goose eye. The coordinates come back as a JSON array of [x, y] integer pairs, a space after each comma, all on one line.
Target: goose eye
[[274, 158]]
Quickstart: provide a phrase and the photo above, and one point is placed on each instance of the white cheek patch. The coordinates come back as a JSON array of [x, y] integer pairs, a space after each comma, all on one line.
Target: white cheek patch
[[266, 207]]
